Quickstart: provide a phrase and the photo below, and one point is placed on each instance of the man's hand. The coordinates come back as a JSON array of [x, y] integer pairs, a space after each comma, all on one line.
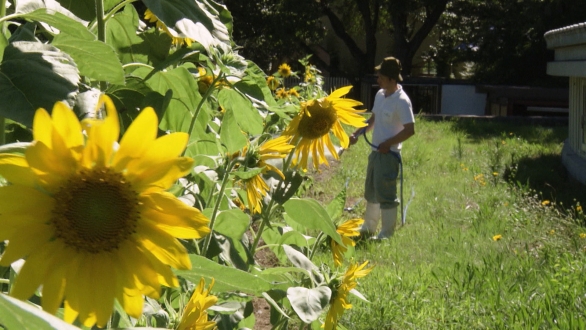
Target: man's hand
[[384, 147], [353, 140]]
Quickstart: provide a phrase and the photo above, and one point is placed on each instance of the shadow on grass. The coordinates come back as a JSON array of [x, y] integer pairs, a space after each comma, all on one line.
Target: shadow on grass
[[501, 127], [547, 175]]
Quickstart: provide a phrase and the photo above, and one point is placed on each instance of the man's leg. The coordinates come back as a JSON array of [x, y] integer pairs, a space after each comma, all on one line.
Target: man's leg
[[371, 216], [388, 219], [387, 170]]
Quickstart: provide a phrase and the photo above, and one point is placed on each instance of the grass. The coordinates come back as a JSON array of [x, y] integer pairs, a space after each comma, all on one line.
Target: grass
[[445, 269]]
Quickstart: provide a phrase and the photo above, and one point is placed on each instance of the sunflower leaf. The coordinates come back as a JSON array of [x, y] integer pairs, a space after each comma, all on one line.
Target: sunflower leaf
[[232, 223], [312, 215], [227, 279], [248, 173], [247, 116], [149, 47], [28, 65], [16, 314], [194, 19], [309, 303], [94, 58], [336, 207], [230, 133]]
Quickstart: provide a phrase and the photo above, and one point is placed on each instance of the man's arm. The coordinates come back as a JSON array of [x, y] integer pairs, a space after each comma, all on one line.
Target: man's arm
[[407, 132], [362, 130]]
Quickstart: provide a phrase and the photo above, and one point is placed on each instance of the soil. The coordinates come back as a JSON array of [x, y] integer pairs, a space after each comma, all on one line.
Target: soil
[[267, 259]]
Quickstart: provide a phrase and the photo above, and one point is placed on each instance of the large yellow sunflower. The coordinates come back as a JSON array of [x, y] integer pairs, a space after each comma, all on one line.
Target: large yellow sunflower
[[311, 128], [339, 301], [350, 228], [93, 221], [256, 187], [177, 41], [195, 316]]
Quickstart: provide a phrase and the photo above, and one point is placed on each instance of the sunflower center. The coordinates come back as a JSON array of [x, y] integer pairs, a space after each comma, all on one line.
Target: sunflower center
[[96, 210], [320, 120]]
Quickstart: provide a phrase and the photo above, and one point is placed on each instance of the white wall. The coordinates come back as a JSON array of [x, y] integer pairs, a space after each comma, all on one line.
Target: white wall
[[462, 100]]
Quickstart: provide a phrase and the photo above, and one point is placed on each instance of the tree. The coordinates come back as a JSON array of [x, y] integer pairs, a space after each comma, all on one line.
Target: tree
[[505, 38], [273, 31], [261, 25]]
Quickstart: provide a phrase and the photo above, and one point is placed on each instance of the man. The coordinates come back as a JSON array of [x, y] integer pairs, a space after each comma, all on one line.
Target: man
[[392, 122]]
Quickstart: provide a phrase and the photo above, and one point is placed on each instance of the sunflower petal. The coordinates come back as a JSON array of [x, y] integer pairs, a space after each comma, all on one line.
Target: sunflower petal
[[14, 168], [32, 273], [161, 176], [42, 127], [104, 287], [26, 240], [164, 247], [167, 213], [67, 125], [163, 149], [338, 93], [137, 139]]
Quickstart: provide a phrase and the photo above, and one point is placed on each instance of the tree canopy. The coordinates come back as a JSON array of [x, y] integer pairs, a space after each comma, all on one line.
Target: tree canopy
[[503, 38]]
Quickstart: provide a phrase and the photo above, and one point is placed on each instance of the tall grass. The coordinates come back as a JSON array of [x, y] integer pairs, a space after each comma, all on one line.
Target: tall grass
[[448, 268]]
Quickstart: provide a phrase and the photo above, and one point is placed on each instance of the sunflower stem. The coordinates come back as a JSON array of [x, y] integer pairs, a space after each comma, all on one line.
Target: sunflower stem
[[2, 126], [315, 245], [3, 31], [111, 13], [101, 31], [208, 238], [200, 105]]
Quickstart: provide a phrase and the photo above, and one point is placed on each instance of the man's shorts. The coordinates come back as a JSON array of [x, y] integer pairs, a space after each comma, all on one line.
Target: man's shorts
[[381, 179]]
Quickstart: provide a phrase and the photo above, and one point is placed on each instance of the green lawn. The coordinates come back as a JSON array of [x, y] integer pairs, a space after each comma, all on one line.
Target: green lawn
[[446, 269]]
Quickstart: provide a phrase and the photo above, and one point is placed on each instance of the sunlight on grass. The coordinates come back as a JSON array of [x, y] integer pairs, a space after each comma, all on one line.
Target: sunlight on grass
[[445, 269]]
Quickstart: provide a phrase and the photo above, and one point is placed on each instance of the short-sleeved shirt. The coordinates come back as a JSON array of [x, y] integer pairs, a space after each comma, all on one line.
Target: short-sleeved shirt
[[391, 113]]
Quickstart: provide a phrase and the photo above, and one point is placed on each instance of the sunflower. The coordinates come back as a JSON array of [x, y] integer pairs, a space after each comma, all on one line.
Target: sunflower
[[256, 187], [293, 92], [205, 80], [281, 93], [350, 228], [195, 316], [273, 83], [339, 301], [284, 70], [177, 41], [318, 117], [94, 222]]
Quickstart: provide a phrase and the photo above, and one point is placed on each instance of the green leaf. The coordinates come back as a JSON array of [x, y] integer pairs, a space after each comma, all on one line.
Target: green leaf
[[85, 9], [246, 115], [230, 134], [25, 32], [336, 207], [299, 259], [16, 314], [64, 24], [121, 34], [309, 303], [248, 173], [294, 237], [34, 75], [194, 19], [185, 98], [227, 279], [94, 58], [232, 223], [312, 215], [27, 6], [256, 77]]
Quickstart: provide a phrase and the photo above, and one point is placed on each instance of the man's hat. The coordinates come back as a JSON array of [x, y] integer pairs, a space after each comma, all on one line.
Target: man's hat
[[390, 67]]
